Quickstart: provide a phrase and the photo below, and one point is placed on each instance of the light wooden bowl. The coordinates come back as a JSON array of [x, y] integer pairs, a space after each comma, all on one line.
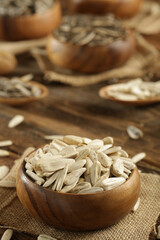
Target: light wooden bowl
[[32, 26], [90, 59], [121, 8], [78, 212], [24, 100], [140, 102]]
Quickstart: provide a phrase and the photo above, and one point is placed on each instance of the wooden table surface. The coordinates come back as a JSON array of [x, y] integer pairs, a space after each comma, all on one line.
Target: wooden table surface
[[80, 111]]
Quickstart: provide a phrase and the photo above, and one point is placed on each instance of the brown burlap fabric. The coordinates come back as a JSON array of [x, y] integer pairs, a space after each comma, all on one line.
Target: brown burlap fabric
[[135, 226]]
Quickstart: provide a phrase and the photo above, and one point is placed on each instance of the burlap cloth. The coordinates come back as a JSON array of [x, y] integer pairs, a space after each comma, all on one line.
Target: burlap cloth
[[135, 226]]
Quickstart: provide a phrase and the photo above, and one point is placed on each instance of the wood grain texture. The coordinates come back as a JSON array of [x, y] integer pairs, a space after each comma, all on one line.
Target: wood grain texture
[[30, 27], [78, 212], [121, 8], [90, 59]]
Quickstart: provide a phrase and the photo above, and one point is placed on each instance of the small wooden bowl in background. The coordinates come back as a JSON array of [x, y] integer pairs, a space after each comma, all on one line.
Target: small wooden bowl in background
[[140, 102], [121, 8], [20, 101], [89, 59], [78, 212], [32, 26]]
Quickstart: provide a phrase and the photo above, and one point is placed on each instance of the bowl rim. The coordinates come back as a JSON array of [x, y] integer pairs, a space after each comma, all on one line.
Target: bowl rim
[[19, 100], [34, 15], [129, 39], [22, 168], [103, 94]]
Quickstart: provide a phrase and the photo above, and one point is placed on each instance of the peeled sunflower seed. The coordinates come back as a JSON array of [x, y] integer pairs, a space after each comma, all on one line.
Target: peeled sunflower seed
[[91, 190], [61, 177], [128, 164], [5, 143], [93, 156], [68, 188], [112, 150], [89, 163], [108, 140], [45, 237], [111, 183], [69, 152], [51, 180], [100, 180], [3, 171], [71, 140], [73, 176], [95, 172], [7, 235], [138, 157], [104, 159], [38, 180], [82, 154], [15, 121], [81, 186], [77, 165], [4, 153], [117, 167], [134, 132], [52, 137], [136, 206]]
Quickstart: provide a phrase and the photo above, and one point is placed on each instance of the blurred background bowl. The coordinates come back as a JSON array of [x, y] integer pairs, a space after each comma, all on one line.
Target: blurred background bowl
[[31, 26], [121, 8], [78, 211], [90, 59]]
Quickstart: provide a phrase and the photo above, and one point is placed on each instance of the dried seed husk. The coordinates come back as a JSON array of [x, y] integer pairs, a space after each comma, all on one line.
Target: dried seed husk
[[89, 164], [112, 150], [52, 137], [3, 171], [93, 156], [61, 177], [91, 190], [5, 143], [34, 177], [111, 183], [95, 172], [128, 164], [51, 180], [77, 165], [4, 153], [86, 140], [72, 140], [96, 142], [15, 121], [123, 153], [136, 206], [103, 177], [69, 152], [81, 186], [68, 188], [82, 154], [108, 140], [45, 237], [104, 159], [73, 176], [134, 132], [117, 167], [29, 166], [7, 235], [105, 147], [138, 157]]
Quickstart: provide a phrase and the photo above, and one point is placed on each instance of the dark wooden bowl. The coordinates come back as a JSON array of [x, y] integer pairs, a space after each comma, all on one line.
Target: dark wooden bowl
[[140, 102], [78, 212], [90, 59], [121, 8], [25, 100], [30, 27]]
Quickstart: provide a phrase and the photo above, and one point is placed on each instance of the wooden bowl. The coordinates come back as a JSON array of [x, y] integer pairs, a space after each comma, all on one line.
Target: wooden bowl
[[78, 212], [121, 8], [140, 102], [32, 26], [90, 59], [24, 100]]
